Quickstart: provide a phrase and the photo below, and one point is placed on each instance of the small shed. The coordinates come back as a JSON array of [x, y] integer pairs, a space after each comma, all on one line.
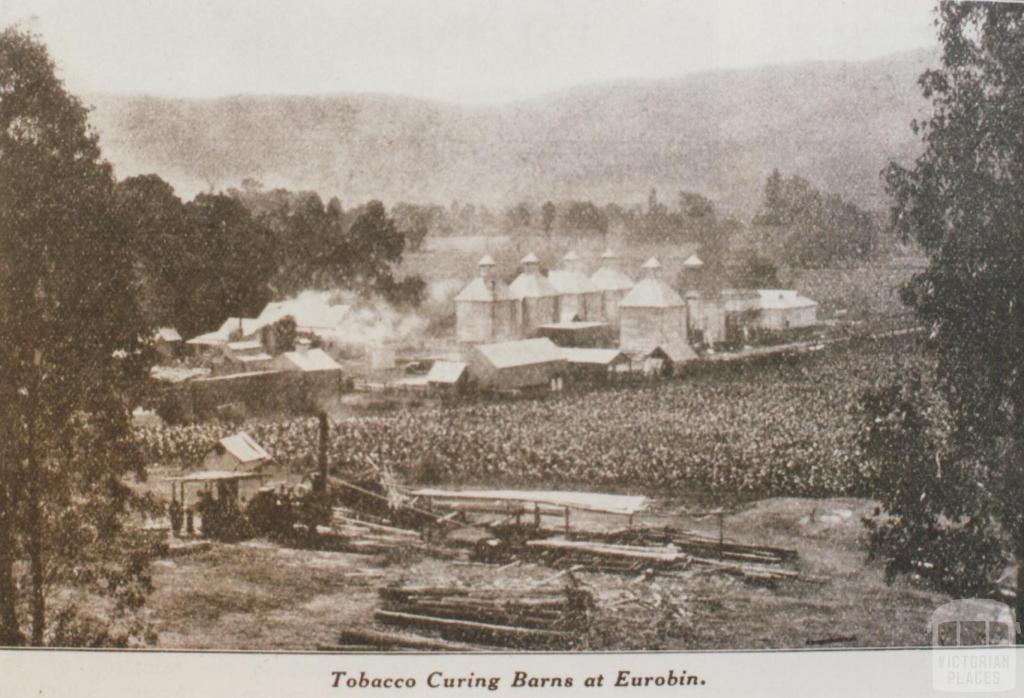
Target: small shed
[[308, 361], [527, 363], [596, 365], [167, 342], [238, 452], [448, 376], [670, 359], [786, 310]]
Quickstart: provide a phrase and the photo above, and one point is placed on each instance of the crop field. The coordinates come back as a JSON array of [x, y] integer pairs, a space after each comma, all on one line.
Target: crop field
[[780, 427]]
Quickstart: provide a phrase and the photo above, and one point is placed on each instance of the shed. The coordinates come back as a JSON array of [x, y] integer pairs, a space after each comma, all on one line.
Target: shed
[[672, 358], [167, 342], [651, 314], [448, 375], [595, 364], [238, 452], [526, 363], [308, 361], [485, 310], [786, 310]]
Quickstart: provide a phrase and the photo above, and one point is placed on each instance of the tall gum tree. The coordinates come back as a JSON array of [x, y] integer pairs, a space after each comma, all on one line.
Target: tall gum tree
[[963, 201], [71, 337]]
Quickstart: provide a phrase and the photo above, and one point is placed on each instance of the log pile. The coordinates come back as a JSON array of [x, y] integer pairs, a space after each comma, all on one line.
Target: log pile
[[615, 558], [696, 545], [521, 619], [362, 536]]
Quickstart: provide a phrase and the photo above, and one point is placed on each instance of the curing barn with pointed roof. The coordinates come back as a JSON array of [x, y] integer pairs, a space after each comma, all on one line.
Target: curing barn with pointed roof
[[578, 298], [485, 310], [538, 299], [652, 314], [612, 284]]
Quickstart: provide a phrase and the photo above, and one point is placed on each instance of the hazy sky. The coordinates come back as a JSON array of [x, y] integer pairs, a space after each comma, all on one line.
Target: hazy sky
[[456, 50]]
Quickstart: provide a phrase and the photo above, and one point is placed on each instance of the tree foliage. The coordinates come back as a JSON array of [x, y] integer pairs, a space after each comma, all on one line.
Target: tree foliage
[[817, 229], [962, 200], [73, 339]]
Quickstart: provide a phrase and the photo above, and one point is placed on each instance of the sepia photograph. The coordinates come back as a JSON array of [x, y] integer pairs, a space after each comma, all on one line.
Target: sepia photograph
[[340, 329]]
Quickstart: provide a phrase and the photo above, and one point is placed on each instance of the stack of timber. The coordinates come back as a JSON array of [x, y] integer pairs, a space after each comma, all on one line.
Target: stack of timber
[[521, 619], [694, 544], [614, 558], [362, 536]]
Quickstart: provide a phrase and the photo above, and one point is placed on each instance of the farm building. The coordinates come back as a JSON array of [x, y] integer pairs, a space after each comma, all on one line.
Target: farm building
[[308, 361], [538, 298], [485, 310], [786, 310], [578, 297], [651, 314], [526, 363], [596, 365], [238, 452], [167, 342], [670, 358], [448, 376], [705, 316], [233, 329], [612, 284], [578, 334]]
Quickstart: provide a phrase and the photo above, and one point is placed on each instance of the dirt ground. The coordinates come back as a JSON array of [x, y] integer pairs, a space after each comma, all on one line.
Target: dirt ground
[[259, 595]]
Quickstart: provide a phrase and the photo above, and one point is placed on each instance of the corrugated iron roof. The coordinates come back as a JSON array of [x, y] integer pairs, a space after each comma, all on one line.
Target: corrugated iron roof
[[448, 372], [522, 352], [780, 299], [676, 352], [312, 360], [693, 261], [244, 448], [593, 357], [589, 501], [167, 334]]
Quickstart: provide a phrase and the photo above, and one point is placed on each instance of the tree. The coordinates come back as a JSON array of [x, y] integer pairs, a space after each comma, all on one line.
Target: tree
[[280, 336], [963, 201], [547, 216], [73, 337], [584, 216]]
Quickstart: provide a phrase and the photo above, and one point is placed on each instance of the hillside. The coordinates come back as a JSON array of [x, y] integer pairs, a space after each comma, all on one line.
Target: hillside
[[719, 133]]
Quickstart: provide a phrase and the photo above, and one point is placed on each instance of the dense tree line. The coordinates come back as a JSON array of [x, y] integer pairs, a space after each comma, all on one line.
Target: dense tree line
[[817, 229], [227, 254]]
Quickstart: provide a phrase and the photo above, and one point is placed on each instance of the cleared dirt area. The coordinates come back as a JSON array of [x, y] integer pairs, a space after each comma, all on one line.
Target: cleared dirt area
[[259, 595]]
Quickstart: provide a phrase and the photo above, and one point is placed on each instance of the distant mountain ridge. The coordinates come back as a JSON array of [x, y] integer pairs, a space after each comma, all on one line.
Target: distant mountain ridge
[[719, 133]]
